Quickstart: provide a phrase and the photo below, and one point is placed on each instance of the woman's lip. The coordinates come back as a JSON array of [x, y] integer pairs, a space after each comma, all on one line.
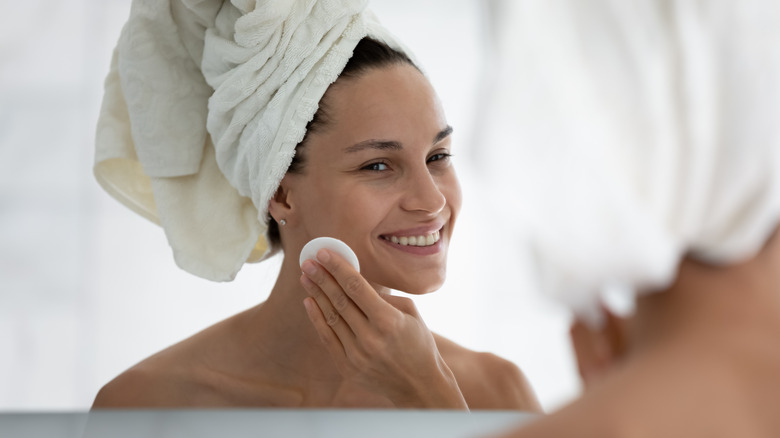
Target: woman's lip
[[417, 250], [418, 231]]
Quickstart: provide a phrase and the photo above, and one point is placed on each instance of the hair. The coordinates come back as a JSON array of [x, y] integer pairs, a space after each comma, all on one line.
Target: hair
[[368, 54]]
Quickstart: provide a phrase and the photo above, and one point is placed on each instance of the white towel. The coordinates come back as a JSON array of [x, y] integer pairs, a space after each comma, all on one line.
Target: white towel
[[639, 131], [204, 105]]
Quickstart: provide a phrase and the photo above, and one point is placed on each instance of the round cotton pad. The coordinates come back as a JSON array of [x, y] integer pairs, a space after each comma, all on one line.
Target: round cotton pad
[[309, 250]]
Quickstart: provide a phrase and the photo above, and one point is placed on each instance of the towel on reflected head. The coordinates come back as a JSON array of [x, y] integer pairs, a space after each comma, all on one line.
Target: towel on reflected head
[[204, 104], [641, 132]]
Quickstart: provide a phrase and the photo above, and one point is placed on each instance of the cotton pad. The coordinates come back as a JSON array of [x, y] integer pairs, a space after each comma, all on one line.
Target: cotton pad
[[309, 250]]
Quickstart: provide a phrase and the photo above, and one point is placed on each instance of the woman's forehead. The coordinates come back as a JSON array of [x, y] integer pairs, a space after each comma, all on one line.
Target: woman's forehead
[[385, 101]]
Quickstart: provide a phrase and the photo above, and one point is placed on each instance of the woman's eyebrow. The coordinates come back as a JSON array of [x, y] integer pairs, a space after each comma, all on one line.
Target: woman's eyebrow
[[444, 133], [375, 144], [391, 144]]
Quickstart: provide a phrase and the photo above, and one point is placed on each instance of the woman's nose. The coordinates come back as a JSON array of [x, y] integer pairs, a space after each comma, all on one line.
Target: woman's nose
[[422, 193]]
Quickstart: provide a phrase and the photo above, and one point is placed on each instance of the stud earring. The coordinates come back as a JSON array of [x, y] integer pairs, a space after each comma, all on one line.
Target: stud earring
[[283, 222]]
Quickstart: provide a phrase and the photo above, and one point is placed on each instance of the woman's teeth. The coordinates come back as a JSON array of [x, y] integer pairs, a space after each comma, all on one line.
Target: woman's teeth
[[426, 240]]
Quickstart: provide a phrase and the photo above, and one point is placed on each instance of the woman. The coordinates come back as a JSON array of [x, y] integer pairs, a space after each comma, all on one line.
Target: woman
[[660, 171], [372, 168]]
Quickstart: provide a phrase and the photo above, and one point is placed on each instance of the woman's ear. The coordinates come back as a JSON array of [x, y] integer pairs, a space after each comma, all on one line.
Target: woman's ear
[[280, 205]]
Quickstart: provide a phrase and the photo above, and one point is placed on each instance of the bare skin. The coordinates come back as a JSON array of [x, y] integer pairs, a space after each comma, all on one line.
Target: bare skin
[[380, 340], [700, 359], [240, 363], [379, 169]]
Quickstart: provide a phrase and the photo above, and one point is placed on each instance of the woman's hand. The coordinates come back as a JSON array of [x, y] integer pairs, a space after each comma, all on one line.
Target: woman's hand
[[379, 342], [598, 350]]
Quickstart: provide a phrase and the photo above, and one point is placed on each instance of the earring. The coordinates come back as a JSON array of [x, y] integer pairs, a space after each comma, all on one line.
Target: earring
[[283, 222]]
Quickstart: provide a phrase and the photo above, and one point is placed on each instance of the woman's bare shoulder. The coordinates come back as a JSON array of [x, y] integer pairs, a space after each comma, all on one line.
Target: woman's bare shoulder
[[487, 380], [140, 386], [177, 376]]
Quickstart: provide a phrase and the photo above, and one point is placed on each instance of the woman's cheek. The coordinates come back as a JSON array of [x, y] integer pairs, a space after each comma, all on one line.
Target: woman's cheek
[[454, 194]]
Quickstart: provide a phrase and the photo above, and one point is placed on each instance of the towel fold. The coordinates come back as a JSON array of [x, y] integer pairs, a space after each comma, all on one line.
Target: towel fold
[[641, 132], [204, 104]]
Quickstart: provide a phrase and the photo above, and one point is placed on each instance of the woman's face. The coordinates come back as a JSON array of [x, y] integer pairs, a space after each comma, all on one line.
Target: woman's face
[[379, 177]]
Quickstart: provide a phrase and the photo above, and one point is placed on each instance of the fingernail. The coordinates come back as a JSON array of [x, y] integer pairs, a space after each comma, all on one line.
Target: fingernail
[[323, 255], [309, 268]]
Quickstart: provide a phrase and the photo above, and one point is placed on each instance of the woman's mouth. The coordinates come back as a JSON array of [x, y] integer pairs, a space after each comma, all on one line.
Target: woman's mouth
[[428, 239]]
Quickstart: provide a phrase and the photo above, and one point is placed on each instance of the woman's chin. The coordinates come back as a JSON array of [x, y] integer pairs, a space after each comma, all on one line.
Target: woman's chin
[[416, 287], [420, 283]]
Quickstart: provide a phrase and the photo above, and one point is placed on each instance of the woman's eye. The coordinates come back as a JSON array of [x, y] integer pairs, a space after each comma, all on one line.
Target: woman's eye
[[442, 156], [376, 167]]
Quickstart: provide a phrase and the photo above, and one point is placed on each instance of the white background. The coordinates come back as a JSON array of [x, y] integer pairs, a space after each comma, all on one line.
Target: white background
[[87, 288]]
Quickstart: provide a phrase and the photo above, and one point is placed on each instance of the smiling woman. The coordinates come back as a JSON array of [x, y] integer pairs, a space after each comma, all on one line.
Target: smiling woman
[[390, 190], [365, 159], [379, 145]]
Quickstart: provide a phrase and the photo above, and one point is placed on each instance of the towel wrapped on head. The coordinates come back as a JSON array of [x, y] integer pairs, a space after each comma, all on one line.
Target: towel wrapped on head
[[642, 132], [204, 105]]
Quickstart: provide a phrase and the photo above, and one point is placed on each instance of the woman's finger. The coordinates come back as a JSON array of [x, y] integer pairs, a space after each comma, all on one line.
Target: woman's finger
[[591, 351], [329, 337], [339, 300], [354, 285], [330, 315], [598, 350]]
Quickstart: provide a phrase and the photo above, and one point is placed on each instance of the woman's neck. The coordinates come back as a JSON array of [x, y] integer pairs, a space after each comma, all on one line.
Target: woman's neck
[[721, 313], [282, 335], [717, 302]]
